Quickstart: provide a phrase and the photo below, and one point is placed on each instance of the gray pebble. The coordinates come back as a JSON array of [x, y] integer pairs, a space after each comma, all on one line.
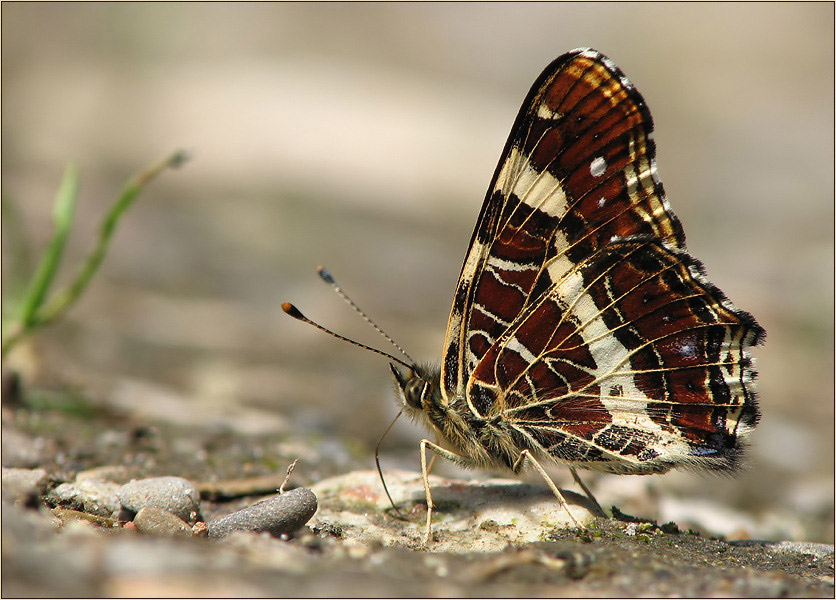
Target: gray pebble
[[157, 521], [22, 485], [284, 513], [89, 495], [174, 494]]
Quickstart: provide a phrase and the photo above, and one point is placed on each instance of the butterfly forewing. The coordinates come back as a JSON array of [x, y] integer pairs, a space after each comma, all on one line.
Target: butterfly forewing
[[578, 318]]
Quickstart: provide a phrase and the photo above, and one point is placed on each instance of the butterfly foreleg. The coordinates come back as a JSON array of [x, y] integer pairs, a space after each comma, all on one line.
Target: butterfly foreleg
[[425, 475], [518, 465]]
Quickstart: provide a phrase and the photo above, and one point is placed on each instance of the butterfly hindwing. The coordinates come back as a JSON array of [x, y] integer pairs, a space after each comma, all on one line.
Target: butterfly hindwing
[[644, 368]]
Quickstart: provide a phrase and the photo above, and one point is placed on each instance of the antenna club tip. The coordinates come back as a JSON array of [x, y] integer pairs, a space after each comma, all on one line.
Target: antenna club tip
[[292, 310], [325, 274]]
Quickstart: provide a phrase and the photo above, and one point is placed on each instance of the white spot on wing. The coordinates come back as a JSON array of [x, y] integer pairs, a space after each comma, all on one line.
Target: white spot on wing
[[687, 349], [544, 112], [598, 167]]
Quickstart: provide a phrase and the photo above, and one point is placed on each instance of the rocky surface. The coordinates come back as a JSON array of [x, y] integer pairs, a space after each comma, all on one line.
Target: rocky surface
[[469, 516], [67, 533]]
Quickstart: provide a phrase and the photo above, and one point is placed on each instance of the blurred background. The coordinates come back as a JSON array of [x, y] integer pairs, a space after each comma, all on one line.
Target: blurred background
[[363, 137]]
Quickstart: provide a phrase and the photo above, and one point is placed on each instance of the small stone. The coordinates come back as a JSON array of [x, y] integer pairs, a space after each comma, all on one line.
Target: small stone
[[90, 496], [157, 521], [174, 494], [21, 486], [280, 514], [200, 529]]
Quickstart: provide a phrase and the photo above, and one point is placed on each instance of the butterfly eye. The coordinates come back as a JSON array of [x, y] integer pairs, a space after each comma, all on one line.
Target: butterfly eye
[[414, 391]]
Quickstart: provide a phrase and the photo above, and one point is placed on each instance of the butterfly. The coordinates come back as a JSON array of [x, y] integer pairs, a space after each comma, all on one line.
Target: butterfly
[[581, 331]]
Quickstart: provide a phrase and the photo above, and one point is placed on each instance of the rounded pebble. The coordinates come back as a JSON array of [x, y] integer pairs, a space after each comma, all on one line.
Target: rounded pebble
[[157, 521], [284, 513], [22, 485], [174, 494]]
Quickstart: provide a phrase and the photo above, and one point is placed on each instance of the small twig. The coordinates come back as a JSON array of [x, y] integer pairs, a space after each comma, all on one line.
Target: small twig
[[287, 477]]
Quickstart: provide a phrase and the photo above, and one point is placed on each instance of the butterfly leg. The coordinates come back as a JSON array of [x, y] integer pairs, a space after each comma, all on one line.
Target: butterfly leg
[[525, 455], [586, 491], [432, 462], [425, 475]]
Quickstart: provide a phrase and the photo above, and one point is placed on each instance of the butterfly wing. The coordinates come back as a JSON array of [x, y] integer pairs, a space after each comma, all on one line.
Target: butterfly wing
[[631, 363], [578, 316]]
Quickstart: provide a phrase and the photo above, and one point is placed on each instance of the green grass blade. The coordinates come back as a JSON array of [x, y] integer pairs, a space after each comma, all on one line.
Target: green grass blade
[[70, 294], [36, 312], [63, 212]]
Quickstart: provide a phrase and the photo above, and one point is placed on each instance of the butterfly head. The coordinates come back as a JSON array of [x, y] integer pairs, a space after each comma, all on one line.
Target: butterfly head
[[417, 387]]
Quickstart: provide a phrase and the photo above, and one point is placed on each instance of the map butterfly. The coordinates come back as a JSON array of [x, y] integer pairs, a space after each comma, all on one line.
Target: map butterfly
[[581, 330]]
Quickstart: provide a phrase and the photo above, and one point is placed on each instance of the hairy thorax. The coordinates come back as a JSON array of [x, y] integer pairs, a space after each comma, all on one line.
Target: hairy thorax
[[486, 442]]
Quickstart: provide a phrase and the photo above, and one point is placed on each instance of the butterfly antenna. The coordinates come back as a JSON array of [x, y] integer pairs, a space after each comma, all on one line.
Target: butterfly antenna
[[329, 279], [297, 314]]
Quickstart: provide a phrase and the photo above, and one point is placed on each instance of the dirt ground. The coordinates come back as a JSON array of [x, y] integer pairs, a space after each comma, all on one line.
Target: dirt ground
[[621, 556]]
